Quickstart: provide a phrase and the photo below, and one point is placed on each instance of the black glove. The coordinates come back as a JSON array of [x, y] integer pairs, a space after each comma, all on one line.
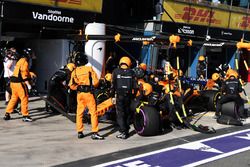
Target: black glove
[[112, 92], [34, 92]]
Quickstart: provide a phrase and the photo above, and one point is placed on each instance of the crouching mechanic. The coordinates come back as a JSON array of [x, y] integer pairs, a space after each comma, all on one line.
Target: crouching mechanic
[[83, 78], [123, 84], [20, 86], [231, 89]]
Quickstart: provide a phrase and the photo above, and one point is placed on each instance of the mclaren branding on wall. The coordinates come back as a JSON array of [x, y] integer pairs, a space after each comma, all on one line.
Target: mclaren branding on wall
[[143, 39], [205, 16], [86, 5], [214, 44]]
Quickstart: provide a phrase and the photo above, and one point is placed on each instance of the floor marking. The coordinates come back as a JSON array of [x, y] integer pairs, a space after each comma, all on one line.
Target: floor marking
[[213, 153], [200, 147], [245, 137], [217, 157]]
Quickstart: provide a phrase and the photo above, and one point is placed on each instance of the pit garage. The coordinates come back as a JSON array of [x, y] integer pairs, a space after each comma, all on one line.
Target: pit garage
[[45, 29]]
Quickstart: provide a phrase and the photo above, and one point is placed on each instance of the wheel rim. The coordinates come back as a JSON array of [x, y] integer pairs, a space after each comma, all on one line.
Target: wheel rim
[[141, 123], [216, 97]]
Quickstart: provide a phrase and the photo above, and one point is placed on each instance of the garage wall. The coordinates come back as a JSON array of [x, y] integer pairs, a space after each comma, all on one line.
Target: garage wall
[[51, 55]]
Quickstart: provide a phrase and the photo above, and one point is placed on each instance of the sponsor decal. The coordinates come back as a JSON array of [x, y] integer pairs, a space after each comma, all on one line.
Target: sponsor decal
[[186, 30], [52, 15], [198, 15], [226, 33], [76, 2], [86, 5], [245, 22]]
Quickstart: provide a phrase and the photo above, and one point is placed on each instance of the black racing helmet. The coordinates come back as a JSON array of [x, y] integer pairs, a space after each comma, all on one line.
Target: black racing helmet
[[81, 59], [225, 67], [139, 73], [27, 52]]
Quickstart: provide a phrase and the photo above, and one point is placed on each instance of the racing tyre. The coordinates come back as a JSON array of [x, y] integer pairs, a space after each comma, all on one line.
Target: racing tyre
[[229, 114], [101, 96], [213, 96], [147, 121], [230, 109], [134, 104]]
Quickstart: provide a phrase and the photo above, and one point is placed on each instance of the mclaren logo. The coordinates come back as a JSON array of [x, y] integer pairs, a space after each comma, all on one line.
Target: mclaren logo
[[144, 38], [214, 44], [52, 15]]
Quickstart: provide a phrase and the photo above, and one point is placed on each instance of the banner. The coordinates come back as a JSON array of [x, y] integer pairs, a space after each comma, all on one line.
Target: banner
[[86, 5], [228, 34], [185, 29], [239, 21], [222, 17], [205, 16]]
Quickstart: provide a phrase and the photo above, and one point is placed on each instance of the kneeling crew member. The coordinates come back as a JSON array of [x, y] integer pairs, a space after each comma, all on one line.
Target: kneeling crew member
[[19, 82], [231, 88], [123, 83], [82, 80]]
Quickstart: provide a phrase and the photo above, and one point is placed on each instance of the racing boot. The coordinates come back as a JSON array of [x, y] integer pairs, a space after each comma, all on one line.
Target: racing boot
[[6, 117], [80, 135], [123, 135], [244, 115], [96, 136], [216, 115], [27, 119]]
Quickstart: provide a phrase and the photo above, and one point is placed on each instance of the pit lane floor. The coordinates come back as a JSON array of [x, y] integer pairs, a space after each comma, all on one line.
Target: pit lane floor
[[51, 140]]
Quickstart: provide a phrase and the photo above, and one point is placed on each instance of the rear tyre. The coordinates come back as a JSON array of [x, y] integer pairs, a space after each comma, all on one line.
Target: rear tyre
[[147, 121]]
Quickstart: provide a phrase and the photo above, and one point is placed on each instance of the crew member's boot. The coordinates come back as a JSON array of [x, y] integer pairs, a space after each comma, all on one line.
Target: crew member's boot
[[96, 136], [6, 117]]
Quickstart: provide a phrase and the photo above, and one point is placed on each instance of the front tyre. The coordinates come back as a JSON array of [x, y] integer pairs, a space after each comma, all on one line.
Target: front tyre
[[213, 96]]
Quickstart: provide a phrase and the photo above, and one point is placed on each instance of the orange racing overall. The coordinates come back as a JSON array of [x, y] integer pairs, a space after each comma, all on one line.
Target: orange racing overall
[[18, 81], [80, 81]]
